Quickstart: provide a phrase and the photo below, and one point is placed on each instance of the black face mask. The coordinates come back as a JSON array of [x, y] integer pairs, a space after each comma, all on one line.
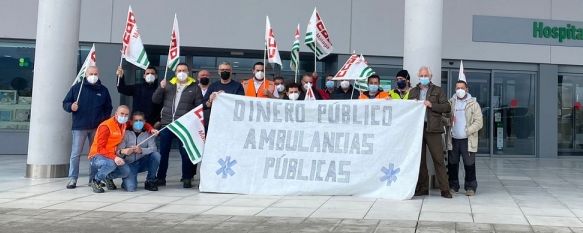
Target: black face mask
[[204, 81], [225, 75], [401, 84]]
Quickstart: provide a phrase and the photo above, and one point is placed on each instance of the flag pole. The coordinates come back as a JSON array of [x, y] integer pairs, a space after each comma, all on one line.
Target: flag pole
[[296, 70], [353, 86], [315, 57], [120, 63], [80, 89], [166, 71], [153, 135]]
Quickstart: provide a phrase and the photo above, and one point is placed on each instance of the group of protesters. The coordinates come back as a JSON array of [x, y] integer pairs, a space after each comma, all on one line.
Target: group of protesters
[[124, 145]]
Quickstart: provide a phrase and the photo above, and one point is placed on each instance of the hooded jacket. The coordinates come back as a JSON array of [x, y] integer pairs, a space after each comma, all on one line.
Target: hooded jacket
[[473, 124], [190, 98]]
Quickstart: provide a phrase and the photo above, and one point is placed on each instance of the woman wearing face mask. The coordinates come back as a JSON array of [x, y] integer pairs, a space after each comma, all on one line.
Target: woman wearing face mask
[[292, 91], [142, 93], [344, 92], [403, 85], [374, 91]]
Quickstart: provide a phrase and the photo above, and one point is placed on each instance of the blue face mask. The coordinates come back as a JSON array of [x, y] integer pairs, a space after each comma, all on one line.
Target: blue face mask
[[122, 119], [138, 125], [424, 81], [373, 88], [330, 84]]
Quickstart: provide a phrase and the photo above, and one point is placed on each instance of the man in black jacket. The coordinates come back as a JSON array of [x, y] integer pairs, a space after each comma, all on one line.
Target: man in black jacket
[[177, 96], [344, 92], [89, 104], [142, 94], [437, 104]]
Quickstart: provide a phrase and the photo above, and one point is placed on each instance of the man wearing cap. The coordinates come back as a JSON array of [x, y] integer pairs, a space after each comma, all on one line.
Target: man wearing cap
[[403, 81]]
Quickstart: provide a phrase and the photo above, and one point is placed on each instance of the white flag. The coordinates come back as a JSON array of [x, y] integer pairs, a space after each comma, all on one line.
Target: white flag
[[356, 69], [272, 51], [310, 93], [174, 51], [190, 130], [89, 61], [461, 76], [133, 48], [317, 37]]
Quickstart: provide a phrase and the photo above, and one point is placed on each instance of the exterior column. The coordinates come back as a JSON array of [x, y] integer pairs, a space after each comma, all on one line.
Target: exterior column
[[423, 36], [57, 48]]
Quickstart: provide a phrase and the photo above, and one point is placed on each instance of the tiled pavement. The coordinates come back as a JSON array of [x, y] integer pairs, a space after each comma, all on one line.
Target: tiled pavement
[[514, 195]]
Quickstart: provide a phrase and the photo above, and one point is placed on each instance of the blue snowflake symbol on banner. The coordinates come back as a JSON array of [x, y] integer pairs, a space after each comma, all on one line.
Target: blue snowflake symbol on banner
[[226, 167], [390, 174]]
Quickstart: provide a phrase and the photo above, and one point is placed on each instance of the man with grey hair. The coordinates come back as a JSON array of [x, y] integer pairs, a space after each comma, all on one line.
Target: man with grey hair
[[89, 104], [437, 105]]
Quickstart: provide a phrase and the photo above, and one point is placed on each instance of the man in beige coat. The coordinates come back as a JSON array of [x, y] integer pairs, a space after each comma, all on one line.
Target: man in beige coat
[[463, 140]]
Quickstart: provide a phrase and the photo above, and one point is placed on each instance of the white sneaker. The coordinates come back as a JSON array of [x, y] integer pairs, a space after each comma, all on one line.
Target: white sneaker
[[470, 193]]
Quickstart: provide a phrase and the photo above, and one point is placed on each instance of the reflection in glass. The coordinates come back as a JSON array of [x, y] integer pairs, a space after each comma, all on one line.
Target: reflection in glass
[[570, 115]]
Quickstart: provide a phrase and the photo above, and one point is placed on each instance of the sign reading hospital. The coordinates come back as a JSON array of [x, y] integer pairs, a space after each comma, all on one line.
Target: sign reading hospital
[[278, 147]]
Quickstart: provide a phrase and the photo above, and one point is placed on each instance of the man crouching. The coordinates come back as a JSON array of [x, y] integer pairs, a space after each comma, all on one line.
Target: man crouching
[[104, 156], [143, 158]]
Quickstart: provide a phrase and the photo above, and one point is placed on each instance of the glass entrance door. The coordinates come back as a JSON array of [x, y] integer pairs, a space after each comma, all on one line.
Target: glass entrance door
[[570, 114]]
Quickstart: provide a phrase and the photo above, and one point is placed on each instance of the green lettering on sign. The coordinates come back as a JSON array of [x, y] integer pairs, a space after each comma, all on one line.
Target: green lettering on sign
[[568, 32]]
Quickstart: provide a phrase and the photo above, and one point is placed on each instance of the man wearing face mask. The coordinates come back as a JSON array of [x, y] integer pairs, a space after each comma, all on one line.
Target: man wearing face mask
[[279, 91], [88, 110], [258, 86], [177, 96], [437, 105], [142, 93], [467, 120], [143, 158], [329, 87], [307, 83], [344, 92], [292, 91], [226, 84], [203, 83], [403, 86], [106, 159], [374, 82]]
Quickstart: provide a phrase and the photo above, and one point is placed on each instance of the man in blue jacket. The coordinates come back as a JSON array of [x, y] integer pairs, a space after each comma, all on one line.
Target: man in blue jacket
[[89, 104]]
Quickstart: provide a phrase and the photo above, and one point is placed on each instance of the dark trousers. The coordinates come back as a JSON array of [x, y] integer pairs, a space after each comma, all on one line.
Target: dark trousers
[[434, 142], [166, 138], [460, 148]]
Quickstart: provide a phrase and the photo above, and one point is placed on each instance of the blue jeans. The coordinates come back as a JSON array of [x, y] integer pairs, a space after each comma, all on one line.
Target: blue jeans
[[107, 169], [166, 138], [147, 163], [79, 137]]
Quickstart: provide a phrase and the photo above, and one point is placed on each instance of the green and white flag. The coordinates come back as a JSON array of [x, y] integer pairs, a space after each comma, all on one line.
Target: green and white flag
[[295, 51], [133, 49], [356, 69], [89, 61], [317, 37], [190, 130], [174, 51]]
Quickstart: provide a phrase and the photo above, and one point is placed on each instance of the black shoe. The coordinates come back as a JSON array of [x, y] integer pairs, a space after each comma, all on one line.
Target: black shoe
[[151, 185], [96, 186], [421, 193], [110, 185], [446, 194], [72, 184], [186, 183], [161, 182]]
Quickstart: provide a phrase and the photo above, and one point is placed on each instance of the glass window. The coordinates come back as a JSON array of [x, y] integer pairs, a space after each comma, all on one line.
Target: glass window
[[16, 73], [513, 103], [570, 115]]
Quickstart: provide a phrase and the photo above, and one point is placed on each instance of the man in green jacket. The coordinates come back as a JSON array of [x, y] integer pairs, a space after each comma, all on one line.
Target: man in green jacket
[[466, 121], [437, 105]]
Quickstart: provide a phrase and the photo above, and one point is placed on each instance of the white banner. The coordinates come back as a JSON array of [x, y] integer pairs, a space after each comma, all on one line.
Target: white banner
[[347, 147]]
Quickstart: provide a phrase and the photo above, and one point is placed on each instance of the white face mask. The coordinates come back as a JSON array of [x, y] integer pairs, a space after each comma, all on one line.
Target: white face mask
[[307, 86], [280, 88], [92, 79], [344, 84], [259, 75], [461, 93], [150, 78], [182, 76], [294, 96]]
